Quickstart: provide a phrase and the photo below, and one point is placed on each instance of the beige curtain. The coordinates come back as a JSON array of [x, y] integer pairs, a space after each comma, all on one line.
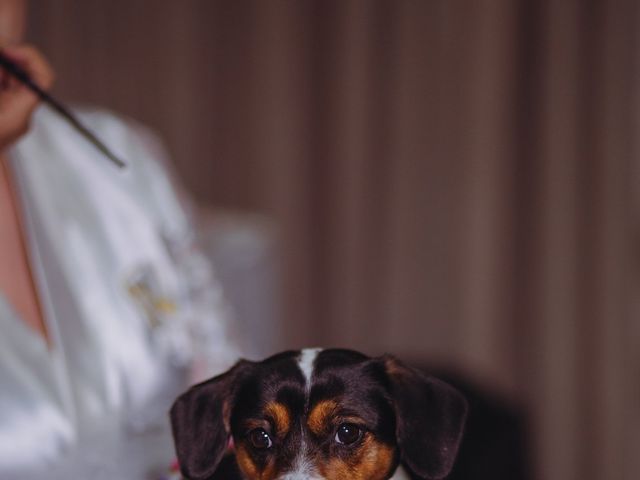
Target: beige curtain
[[456, 182]]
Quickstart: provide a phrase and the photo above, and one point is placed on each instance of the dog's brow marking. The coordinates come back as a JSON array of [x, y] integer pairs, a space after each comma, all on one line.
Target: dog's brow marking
[[280, 415], [305, 362], [320, 415]]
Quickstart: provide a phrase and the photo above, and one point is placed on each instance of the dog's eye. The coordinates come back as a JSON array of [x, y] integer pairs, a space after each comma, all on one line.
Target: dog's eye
[[348, 434], [260, 439]]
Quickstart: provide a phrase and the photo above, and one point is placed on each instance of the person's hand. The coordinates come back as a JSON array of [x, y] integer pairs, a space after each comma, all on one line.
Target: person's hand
[[17, 102]]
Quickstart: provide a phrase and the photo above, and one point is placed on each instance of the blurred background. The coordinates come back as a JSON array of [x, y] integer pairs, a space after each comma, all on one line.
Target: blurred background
[[454, 182]]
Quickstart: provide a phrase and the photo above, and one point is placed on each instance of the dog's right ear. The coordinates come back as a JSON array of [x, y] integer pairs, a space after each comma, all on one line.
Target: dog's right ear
[[200, 423], [430, 418]]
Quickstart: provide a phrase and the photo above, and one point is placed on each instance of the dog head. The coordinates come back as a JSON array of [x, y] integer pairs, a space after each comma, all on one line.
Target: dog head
[[319, 414]]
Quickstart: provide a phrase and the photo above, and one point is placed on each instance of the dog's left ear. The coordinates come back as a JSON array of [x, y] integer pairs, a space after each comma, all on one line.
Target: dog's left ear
[[200, 423], [430, 418]]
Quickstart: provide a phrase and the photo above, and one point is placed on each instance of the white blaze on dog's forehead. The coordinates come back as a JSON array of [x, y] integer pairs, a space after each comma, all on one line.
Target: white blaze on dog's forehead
[[305, 362]]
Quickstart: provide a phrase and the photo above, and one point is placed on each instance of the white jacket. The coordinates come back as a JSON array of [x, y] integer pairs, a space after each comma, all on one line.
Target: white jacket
[[128, 301]]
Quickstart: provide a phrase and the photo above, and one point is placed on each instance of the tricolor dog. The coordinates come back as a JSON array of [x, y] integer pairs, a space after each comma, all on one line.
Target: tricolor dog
[[318, 414]]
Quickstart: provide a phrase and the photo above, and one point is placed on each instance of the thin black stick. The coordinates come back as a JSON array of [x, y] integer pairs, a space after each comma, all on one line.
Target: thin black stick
[[11, 67]]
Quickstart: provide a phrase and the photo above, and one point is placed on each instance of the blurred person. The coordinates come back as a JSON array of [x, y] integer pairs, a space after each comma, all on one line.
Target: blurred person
[[107, 308]]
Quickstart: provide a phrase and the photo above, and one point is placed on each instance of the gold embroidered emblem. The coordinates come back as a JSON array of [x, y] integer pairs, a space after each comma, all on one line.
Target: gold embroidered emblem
[[144, 288]]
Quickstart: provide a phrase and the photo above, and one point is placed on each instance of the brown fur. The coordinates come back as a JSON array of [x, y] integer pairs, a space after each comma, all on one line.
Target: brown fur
[[320, 416], [280, 416], [250, 469], [371, 461], [246, 463]]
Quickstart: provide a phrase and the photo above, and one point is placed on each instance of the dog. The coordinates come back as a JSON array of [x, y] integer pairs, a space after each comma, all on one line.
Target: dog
[[319, 414]]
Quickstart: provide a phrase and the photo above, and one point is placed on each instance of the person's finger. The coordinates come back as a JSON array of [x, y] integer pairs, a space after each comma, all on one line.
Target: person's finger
[[34, 63], [17, 102]]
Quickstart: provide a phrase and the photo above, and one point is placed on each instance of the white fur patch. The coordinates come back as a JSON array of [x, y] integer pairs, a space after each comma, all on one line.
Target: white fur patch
[[299, 476], [400, 474], [305, 362], [303, 469]]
